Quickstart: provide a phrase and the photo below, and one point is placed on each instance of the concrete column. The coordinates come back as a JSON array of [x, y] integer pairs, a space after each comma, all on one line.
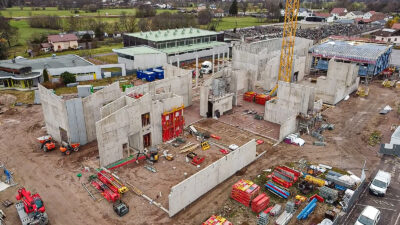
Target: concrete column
[[223, 60], [197, 70], [218, 68], [177, 63], [213, 66]]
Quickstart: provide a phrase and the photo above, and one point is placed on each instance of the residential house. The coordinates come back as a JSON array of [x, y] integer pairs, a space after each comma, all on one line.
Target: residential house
[[396, 26], [303, 13], [368, 15], [219, 13], [62, 42], [328, 17], [378, 16], [201, 7], [45, 47], [389, 36], [339, 13], [354, 15]]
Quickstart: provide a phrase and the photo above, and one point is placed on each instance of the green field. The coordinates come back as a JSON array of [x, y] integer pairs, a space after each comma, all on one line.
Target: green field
[[27, 12], [25, 31]]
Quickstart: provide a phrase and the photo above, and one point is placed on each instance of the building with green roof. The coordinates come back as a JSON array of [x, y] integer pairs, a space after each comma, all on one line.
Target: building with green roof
[[149, 49]]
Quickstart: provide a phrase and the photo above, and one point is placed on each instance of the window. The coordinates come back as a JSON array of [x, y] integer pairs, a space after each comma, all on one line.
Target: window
[[145, 119], [189, 41], [181, 43], [382, 39], [199, 40], [389, 40], [214, 38], [207, 39], [171, 44], [395, 39]]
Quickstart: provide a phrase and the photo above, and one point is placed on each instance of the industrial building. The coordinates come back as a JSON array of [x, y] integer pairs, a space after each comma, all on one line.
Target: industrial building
[[371, 58], [172, 46], [28, 73]]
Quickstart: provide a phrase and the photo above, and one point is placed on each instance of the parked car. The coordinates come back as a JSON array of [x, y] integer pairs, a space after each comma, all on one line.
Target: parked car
[[380, 183], [369, 216]]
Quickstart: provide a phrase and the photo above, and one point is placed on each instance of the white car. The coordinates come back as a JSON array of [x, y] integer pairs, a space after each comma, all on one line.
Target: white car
[[380, 183], [369, 216]]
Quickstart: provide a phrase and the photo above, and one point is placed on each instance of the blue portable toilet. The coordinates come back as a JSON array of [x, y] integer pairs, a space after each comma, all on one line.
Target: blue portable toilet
[[160, 68], [150, 69], [150, 76], [139, 74], [159, 73]]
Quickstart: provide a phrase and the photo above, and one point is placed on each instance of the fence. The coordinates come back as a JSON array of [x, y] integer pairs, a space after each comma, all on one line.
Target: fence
[[340, 219], [390, 149]]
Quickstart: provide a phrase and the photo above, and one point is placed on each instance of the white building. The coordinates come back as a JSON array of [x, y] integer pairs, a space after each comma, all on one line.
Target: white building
[[389, 36]]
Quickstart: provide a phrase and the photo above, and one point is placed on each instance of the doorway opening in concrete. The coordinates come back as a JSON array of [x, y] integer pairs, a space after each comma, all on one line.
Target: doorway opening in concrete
[[210, 108], [147, 140], [125, 150], [63, 135], [295, 76], [145, 119]]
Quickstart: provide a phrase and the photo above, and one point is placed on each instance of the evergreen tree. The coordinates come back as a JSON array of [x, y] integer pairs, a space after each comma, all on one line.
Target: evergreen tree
[[233, 10]]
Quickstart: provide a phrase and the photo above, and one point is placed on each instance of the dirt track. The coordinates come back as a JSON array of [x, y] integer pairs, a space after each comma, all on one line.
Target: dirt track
[[54, 176]]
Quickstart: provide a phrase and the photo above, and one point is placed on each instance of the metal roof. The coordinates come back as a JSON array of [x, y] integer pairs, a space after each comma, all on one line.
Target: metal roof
[[51, 62], [137, 50], [11, 65], [172, 34], [6, 75], [188, 48], [352, 51], [142, 50]]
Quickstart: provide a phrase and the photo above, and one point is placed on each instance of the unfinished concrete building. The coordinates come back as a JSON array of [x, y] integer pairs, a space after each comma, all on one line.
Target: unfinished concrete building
[[73, 120], [341, 80], [293, 99], [261, 59], [133, 122]]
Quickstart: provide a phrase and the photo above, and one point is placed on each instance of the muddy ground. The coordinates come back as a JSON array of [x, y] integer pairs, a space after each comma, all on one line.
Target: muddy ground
[[55, 176]]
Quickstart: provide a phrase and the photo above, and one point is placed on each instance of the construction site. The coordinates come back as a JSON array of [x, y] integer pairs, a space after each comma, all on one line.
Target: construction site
[[283, 131]]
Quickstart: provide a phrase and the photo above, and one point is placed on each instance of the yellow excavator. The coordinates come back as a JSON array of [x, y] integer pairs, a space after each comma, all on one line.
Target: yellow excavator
[[288, 40]]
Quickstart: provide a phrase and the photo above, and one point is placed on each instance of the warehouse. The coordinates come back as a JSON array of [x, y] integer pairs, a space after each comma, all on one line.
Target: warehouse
[[372, 58], [176, 45]]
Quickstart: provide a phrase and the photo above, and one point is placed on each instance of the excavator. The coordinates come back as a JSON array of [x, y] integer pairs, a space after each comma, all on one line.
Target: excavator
[[30, 208], [288, 41]]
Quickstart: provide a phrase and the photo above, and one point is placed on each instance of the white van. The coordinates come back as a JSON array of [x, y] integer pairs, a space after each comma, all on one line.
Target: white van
[[380, 183], [369, 216]]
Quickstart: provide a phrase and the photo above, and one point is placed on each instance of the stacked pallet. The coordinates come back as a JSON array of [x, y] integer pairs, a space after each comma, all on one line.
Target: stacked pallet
[[259, 203], [244, 191], [263, 219], [217, 220]]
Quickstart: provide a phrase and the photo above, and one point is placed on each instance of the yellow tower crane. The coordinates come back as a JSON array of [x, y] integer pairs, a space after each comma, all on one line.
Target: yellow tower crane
[[288, 40]]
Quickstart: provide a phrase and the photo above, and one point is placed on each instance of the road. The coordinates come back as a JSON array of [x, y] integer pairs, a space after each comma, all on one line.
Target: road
[[388, 205]]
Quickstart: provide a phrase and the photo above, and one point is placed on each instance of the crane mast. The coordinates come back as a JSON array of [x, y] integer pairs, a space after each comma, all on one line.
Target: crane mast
[[288, 41]]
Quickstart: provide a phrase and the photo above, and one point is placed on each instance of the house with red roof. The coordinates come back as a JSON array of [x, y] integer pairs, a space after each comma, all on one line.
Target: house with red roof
[[339, 12], [368, 15], [62, 42], [396, 26]]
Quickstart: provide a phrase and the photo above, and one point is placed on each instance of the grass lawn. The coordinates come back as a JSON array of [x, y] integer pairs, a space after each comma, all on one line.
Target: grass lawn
[[110, 59], [25, 31], [27, 11]]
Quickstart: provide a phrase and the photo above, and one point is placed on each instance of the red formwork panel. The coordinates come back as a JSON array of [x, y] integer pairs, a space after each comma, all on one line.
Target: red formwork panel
[[172, 123]]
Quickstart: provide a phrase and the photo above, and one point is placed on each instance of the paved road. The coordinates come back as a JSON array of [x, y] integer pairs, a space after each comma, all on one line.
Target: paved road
[[388, 205]]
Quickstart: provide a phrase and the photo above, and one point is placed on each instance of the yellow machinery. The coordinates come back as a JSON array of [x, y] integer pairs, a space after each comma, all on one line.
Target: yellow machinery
[[288, 40], [362, 91], [205, 145]]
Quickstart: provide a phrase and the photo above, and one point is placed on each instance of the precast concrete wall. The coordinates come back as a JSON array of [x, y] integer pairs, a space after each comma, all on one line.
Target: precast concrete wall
[[292, 100], [288, 127], [186, 192], [76, 121], [92, 105], [113, 106], [54, 112], [342, 80]]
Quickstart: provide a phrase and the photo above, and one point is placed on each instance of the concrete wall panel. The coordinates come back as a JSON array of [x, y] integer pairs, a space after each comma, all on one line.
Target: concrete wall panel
[[76, 121], [192, 188]]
